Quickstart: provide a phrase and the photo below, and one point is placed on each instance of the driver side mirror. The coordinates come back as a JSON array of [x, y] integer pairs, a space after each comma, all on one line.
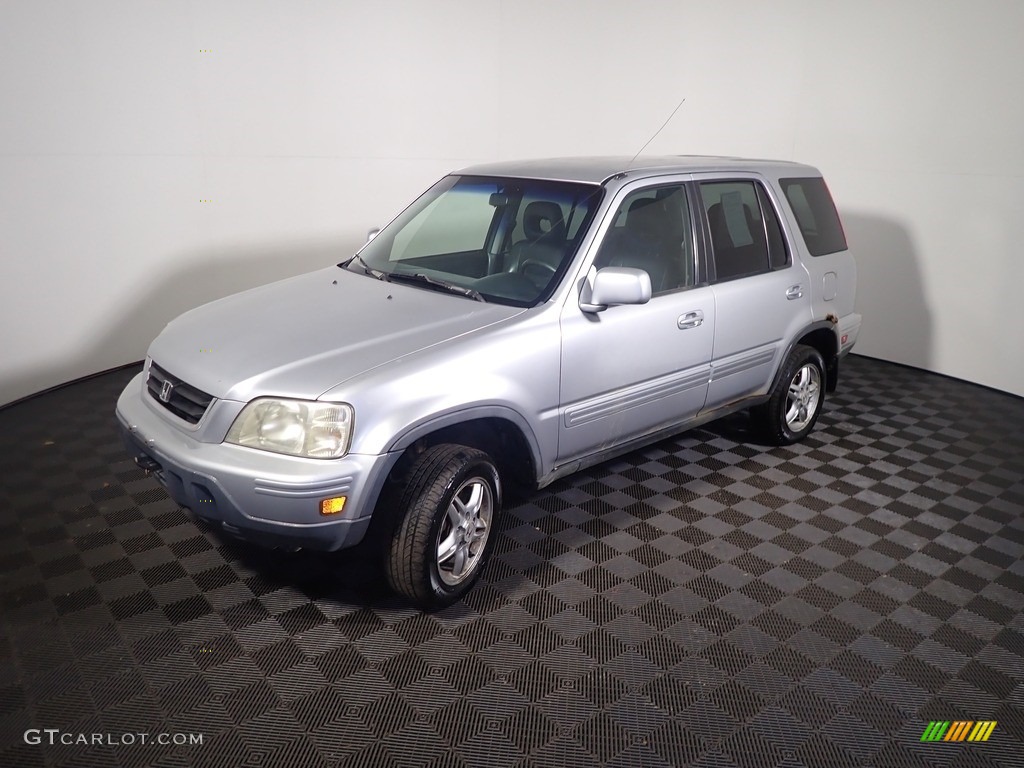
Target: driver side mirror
[[616, 285], [372, 234]]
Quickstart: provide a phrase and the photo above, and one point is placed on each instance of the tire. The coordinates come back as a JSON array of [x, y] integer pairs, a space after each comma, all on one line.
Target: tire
[[796, 399], [446, 513]]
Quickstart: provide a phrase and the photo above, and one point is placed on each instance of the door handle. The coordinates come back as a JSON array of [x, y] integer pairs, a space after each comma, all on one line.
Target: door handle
[[795, 292], [690, 320]]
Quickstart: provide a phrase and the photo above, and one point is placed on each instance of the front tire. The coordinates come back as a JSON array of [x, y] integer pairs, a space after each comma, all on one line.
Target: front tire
[[448, 507], [796, 399]]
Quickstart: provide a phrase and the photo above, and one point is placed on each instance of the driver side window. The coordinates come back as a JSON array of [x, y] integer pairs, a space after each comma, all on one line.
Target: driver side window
[[652, 231]]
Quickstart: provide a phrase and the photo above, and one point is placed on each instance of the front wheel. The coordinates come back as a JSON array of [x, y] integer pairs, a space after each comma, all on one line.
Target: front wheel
[[448, 508], [796, 399]]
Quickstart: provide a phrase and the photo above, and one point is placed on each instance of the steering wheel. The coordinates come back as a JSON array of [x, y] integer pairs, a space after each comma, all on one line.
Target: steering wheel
[[549, 270]]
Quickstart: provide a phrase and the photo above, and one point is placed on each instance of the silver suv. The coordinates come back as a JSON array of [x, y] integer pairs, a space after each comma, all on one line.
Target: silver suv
[[517, 322]]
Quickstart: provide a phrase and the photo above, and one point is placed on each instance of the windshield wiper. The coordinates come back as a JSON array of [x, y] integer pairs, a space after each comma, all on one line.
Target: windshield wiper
[[417, 277], [367, 269]]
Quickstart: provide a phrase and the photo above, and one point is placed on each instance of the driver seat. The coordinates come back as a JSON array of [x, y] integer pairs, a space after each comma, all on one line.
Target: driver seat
[[544, 240]]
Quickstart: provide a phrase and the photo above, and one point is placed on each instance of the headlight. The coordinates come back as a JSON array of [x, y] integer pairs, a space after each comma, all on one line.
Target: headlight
[[296, 427]]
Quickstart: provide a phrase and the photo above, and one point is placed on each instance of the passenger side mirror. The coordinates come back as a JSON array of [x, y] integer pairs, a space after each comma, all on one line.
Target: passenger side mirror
[[616, 285], [372, 234]]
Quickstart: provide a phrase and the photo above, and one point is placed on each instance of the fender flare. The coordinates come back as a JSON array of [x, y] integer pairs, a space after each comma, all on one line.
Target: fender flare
[[815, 326], [424, 427]]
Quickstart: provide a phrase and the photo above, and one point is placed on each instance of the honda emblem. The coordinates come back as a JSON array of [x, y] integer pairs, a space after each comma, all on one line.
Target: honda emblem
[[165, 391]]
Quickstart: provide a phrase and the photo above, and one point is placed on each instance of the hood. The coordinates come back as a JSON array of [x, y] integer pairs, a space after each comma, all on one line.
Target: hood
[[302, 336]]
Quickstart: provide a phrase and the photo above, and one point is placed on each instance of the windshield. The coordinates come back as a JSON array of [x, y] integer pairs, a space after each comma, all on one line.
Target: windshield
[[503, 240]]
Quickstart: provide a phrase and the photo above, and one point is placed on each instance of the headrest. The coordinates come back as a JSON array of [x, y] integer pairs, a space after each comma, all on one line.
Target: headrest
[[646, 217], [543, 219], [730, 234]]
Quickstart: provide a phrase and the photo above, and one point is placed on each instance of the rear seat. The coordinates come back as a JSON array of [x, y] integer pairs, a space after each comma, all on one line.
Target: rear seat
[[732, 260]]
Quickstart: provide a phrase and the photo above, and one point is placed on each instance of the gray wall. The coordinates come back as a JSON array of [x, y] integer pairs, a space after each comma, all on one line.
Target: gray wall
[[155, 155]]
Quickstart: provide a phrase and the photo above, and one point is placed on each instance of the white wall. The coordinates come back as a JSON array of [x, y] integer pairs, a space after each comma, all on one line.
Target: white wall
[[308, 122]]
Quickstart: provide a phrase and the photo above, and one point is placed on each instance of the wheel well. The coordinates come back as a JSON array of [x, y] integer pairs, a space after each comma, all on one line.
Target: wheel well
[[824, 340], [499, 438]]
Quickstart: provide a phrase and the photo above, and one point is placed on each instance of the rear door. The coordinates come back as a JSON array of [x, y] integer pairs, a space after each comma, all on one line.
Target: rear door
[[761, 292]]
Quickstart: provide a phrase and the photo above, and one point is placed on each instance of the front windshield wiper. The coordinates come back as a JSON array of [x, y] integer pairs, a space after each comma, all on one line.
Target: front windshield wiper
[[417, 277], [367, 269]]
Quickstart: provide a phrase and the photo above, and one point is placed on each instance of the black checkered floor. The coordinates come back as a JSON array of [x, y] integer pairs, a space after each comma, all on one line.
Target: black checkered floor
[[706, 601]]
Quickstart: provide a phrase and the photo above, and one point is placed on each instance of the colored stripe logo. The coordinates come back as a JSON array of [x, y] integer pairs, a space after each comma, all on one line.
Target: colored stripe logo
[[958, 730]]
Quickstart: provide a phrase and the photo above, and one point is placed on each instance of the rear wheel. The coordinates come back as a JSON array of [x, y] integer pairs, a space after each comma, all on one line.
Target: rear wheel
[[447, 509], [796, 399]]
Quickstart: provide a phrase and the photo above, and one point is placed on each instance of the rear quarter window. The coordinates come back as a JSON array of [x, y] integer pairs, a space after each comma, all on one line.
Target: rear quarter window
[[815, 214]]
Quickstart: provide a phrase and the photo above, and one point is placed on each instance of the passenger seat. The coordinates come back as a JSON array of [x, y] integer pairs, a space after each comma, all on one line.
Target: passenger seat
[[646, 241]]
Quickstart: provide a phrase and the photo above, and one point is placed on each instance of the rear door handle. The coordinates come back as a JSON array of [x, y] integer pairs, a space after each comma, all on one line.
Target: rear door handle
[[693, 319], [795, 292]]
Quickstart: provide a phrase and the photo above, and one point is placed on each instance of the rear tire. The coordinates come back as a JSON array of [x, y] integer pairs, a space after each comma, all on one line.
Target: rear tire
[[447, 510], [796, 399]]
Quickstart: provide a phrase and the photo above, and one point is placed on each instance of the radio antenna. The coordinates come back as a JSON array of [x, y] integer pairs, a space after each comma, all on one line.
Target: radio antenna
[[667, 121]]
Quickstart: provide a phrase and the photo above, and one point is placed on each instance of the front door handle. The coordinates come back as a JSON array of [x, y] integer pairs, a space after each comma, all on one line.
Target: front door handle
[[693, 319], [795, 292]]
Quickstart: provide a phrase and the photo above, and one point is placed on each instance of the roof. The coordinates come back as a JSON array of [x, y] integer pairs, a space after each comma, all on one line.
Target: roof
[[595, 170]]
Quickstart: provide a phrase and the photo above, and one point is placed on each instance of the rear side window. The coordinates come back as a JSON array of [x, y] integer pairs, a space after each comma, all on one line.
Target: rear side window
[[745, 232], [815, 214]]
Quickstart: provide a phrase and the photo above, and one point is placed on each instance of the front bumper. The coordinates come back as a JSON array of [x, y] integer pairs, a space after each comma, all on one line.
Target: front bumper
[[266, 498]]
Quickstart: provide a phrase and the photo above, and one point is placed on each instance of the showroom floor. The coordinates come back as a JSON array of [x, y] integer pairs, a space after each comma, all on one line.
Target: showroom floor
[[706, 601]]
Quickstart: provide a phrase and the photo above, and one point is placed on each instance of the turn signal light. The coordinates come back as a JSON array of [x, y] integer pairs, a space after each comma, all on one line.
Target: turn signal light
[[332, 506]]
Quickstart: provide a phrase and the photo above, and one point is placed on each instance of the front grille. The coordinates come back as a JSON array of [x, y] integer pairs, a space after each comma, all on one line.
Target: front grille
[[185, 401]]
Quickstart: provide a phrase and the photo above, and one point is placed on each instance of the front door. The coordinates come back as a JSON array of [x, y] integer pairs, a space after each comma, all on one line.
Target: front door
[[629, 371]]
